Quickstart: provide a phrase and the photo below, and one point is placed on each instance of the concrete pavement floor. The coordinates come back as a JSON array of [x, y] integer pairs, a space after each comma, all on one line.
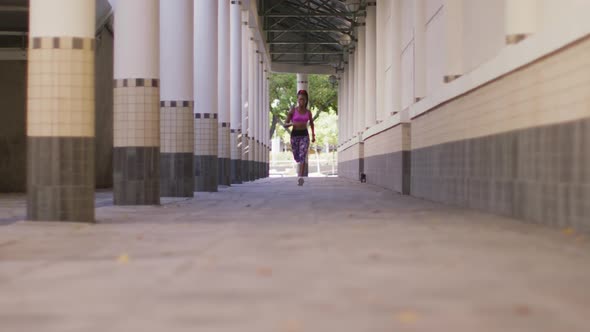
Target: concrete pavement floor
[[333, 255]]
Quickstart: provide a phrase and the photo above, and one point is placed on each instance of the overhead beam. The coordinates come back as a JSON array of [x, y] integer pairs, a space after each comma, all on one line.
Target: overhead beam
[[14, 8], [310, 30], [303, 52], [303, 42]]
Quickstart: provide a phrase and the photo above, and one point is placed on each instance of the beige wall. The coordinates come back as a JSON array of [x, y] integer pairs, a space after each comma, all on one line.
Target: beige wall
[[552, 90]]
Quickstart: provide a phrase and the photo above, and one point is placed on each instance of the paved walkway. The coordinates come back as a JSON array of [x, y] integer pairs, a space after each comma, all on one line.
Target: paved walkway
[[332, 255]]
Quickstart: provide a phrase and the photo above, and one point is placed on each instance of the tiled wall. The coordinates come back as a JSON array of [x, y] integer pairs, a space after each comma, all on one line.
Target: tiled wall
[[387, 158], [224, 153], [176, 156], [236, 155], [351, 162], [206, 149], [60, 129], [518, 146]]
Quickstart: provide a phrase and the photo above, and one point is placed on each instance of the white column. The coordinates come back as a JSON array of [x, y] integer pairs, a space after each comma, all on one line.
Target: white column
[[453, 40], [370, 65], [176, 99], [302, 83], [206, 104], [223, 93], [60, 111], [520, 19], [235, 93], [252, 109], [361, 70], [393, 98], [137, 120], [381, 35], [245, 97], [351, 96], [419, 49], [343, 107], [357, 111]]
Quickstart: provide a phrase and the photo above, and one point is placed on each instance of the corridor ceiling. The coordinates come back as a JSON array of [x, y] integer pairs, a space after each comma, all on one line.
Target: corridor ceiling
[[307, 33]]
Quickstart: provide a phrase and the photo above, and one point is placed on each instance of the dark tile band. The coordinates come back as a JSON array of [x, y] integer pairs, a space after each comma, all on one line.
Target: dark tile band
[[205, 115], [72, 43], [136, 82], [224, 124], [235, 131], [177, 103]]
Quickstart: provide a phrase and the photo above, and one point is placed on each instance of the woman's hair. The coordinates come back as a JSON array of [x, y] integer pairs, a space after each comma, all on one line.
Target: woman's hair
[[304, 94]]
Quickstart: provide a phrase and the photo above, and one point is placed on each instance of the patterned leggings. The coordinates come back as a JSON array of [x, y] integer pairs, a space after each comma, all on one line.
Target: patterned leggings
[[299, 145]]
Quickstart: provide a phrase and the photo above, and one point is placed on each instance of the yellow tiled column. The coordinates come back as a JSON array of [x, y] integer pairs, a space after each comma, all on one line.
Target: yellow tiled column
[[60, 111]]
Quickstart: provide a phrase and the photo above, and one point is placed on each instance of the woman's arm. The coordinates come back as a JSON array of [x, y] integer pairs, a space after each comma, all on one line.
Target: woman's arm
[[288, 120], [312, 128]]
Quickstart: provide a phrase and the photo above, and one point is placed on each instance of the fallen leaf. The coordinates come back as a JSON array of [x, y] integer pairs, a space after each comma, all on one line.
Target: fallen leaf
[[568, 231], [264, 271], [292, 325], [522, 310], [406, 317], [123, 259]]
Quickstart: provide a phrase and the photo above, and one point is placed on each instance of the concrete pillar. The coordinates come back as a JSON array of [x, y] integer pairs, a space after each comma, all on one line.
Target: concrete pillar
[[244, 138], [381, 36], [60, 111], [344, 109], [393, 97], [520, 19], [361, 70], [136, 154], [258, 121], [206, 105], [252, 109], [235, 96], [453, 40], [419, 49], [177, 135], [302, 83], [351, 110], [223, 92], [370, 65]]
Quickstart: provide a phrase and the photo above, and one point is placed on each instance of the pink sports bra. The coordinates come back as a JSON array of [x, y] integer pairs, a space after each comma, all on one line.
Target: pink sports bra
[[300, 118]]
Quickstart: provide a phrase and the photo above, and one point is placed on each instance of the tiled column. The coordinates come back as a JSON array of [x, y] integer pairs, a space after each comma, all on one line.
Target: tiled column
[[245, 140], [302, 82], [205, 94], [136, 176], [223, 91], [259, 114], [235, 94], [370, 68], [453, 40], [521, 19], [176, 105], [60, 116], [266, 124], [252, 58]]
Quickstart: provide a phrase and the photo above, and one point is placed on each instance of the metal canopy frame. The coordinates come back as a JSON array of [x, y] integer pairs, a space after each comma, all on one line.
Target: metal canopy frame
[[307, 32]]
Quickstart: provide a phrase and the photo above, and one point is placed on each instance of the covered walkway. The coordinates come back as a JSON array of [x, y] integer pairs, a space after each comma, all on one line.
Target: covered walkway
[[333, 255]]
